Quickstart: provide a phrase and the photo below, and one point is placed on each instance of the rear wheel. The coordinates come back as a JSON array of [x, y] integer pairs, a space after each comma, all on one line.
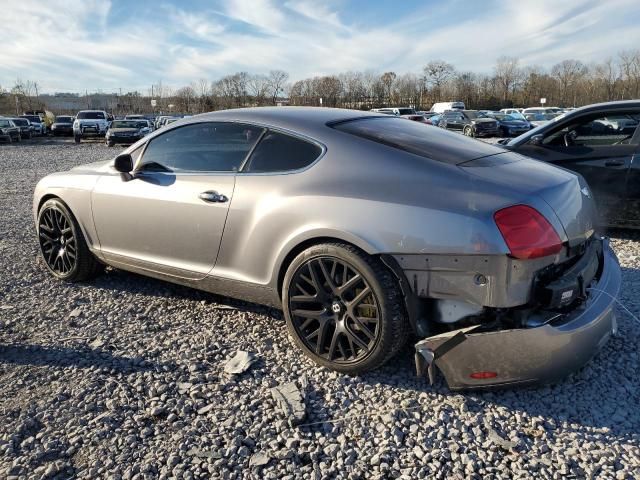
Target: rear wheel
[[62, 244], [343, 308]]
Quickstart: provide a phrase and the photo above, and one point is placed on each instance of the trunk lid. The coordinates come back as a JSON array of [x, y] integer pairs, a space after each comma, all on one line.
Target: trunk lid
[[565, 192]]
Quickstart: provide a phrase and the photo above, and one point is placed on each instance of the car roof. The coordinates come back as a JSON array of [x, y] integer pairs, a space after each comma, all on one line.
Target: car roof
[[306, 120]]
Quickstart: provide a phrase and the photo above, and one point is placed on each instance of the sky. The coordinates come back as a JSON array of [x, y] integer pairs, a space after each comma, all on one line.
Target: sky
[[78, 45]]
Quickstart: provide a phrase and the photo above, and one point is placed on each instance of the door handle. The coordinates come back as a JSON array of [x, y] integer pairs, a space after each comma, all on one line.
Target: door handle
[[212, 197], [614, 163]]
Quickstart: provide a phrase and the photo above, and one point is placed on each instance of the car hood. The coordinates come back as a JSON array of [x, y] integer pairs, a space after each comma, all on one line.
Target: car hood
[[565, 192], [484, 120], [124, 130], [514, 122], [94, 167]]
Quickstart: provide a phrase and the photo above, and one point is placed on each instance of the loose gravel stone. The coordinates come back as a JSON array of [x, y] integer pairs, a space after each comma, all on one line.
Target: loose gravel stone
[[133, 386]]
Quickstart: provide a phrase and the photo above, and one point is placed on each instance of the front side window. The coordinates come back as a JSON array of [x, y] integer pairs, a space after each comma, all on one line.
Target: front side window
[[201, 147], [599, 130], [278, 152]]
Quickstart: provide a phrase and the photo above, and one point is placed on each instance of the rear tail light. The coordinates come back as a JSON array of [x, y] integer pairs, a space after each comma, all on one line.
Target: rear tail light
[[526, 232]]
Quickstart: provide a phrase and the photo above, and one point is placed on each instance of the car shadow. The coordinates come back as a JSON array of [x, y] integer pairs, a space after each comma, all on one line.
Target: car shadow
[[82, 357]]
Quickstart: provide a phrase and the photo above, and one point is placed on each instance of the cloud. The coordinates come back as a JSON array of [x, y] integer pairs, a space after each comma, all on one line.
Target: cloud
[[74, 45]]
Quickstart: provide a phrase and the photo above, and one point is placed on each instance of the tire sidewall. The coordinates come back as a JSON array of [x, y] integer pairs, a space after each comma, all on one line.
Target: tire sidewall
[[371, 360]]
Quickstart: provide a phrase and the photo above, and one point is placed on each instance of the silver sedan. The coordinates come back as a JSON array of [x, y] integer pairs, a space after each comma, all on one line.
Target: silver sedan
[[365, 229]]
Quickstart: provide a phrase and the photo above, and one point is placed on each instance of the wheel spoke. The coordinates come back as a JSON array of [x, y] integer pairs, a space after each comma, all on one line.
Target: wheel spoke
[[349, 284], [327, 277], [363, 328], [304, 299], [332, 347], [309, 314], [353, 337], [360, 297]]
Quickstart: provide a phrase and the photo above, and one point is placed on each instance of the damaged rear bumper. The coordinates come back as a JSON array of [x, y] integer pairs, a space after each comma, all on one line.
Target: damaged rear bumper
[[527, 355]]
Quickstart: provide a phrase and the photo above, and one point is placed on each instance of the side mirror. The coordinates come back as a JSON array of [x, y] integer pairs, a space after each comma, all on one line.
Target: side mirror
[[536, 139], [123, 163]]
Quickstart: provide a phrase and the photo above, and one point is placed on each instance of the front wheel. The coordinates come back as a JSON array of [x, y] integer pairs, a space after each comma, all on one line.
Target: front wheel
[[77, 138], [344, 308], [468, 131], [62, 244]]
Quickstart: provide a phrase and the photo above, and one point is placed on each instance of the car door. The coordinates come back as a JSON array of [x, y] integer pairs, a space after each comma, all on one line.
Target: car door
[[600, 147], [169, 215]]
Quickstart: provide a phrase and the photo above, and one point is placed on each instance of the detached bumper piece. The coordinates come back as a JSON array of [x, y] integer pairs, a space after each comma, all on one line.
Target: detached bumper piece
[[477, 357]]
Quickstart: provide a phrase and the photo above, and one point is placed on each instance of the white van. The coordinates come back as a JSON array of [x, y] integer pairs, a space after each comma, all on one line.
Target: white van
[[442, 107]]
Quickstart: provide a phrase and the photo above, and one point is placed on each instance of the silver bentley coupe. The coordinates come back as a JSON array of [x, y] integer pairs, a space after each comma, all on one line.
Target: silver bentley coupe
[[366, 229]]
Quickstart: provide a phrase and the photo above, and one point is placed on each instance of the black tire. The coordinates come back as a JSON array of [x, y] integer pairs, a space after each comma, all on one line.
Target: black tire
[[109, 144], [355, 346], [76, 263], [19, 138], [77, 138], [503, 132]]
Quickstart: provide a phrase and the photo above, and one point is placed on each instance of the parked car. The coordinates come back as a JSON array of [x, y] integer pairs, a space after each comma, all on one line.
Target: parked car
[[508, 111], [63, 125], [442, 107], [135, 117], [284, 206], [37, 125], [511, 125], [398, 111], [535, 110], [90, 123], [415, 118], [45, 116], [433, 119], [9, 132], [469, 122], [537, 119], [24, 125], [126, 131], [602, 143]]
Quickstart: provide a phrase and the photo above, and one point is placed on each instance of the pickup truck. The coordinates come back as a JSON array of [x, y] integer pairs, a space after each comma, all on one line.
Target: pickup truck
[[90, 123]]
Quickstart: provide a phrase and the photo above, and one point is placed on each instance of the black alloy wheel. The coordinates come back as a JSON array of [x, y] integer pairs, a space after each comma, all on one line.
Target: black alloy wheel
[[343, 308], [62, 245]]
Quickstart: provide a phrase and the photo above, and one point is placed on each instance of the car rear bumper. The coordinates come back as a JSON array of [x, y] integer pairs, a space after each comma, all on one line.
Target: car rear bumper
[[528, 355]]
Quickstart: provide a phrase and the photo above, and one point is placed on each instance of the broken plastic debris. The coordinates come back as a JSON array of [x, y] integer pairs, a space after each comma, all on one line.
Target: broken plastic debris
[[240, 362], [291, 401]]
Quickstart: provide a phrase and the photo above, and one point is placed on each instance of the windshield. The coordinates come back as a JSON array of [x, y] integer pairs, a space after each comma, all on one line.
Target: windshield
[[91, 115], [20, 121], [32, 118], [126, 124], [406, 111], [414, 138], [472, 114], [514, 116], [64, 119]]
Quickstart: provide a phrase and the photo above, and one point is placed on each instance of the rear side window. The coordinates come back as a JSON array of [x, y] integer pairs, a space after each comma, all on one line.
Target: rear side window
[[419, 139], [278, 152]]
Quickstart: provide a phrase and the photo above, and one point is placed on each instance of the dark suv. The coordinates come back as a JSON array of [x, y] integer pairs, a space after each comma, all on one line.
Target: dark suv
[[470, 122]]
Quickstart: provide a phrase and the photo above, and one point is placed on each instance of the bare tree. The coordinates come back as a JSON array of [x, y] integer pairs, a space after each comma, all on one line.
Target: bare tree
[[387, 80], [258, 86], [437, 73], [186, 99], [507, 75], [568, 73], [277, 81]]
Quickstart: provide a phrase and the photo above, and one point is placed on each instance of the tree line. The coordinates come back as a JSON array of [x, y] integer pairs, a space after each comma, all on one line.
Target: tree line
[[569, 83]]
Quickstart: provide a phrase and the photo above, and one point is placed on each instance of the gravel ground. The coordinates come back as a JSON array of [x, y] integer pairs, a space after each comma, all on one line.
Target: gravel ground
[[123, 378]]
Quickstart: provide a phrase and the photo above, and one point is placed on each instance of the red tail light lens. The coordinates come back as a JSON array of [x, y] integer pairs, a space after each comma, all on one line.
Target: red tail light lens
[[526, 232], [483, 375]]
